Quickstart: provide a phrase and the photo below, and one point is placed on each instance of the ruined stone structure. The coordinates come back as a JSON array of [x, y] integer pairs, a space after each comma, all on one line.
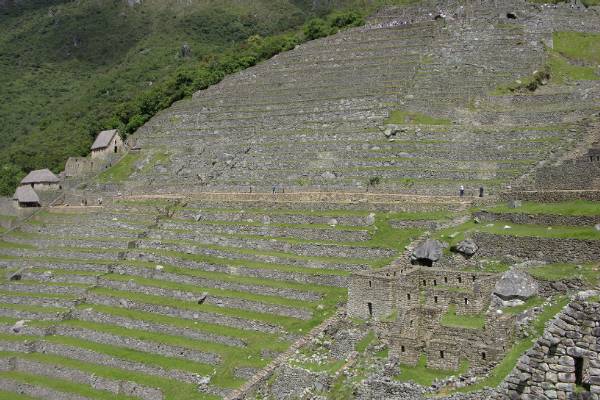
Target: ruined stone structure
[[409, 302]]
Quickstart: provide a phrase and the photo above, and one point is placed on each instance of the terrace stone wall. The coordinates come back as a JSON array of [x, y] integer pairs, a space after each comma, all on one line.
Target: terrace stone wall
[[539, 219], [536, 248]]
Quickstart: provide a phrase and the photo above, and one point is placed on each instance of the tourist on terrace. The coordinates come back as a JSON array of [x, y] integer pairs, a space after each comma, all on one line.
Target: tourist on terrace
[[461, 190]]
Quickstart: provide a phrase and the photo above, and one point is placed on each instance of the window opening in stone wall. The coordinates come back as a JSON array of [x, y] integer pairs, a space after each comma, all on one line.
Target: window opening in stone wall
[[445, 279], [511, 15], [408, 296], [552, 350], [466, 301], [115, 148], [441, 353], [402, 349], [370, 306], [474, 278], [369, 283], [483, 355], [411, 322], [424, 282], [459, 279], [435, 299], [434, 282]]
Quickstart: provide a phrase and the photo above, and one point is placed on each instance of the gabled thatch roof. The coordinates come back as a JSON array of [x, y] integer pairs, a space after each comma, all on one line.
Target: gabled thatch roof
[[40, 176], [25, 194], [103, 139]]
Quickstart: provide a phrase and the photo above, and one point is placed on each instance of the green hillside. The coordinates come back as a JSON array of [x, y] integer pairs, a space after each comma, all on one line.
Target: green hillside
[[69, 69]]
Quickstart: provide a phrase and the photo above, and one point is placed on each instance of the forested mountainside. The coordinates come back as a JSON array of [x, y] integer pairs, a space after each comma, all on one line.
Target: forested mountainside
[[71, 68]]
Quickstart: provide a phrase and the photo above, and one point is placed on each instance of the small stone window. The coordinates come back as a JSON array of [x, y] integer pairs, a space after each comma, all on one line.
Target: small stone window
[[435, 299], [402, 349], [459, 279], [370, 306], [511, 15], [445, 279], [370, 284], [435, 282], [466, 301], [408, 296], [441, 353], [411, 322], [474, 278], [483, 356], [424, 282]]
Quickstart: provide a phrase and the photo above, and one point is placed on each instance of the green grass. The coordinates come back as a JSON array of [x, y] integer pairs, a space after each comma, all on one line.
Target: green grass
[[13, 396], [63, 386], [594, 299], [121, 170], [453, 320], [589, 273], [578, 46], [362, 345], [571, 208], [507, 364], [173, 390], [399, 117], [424, 376], [562, 71]]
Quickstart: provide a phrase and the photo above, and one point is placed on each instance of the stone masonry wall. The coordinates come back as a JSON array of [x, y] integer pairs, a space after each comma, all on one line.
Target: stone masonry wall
[[565, 362], [533, 248]]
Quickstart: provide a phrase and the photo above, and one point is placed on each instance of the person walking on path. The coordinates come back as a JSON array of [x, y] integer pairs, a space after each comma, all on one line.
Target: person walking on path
[[481, 191], [461, 191]]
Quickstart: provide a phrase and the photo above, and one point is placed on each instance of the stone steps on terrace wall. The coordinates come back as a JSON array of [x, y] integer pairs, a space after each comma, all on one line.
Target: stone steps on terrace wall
[[52, 265], [89, 356], [116, 387], [382, 172], [26, 287], [58, 242], [104, 215], [200, 281], [83, 256], [267, 231], [50, 315], [126, 342], [49, 301], [259, 244], [225, 301], [68, 232], [208, 112], [90, 315], [64, 277], [196, 213], [261, 273], [235, 250], [191, 315], [37, 392]]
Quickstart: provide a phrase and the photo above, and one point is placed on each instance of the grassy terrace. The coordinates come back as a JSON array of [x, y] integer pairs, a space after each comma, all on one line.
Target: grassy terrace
[[214, 263], [572, 208], [455, 234]]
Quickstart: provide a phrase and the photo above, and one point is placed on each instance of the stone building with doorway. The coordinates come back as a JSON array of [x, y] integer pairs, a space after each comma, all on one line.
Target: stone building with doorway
[[106, 143], [410, 306]]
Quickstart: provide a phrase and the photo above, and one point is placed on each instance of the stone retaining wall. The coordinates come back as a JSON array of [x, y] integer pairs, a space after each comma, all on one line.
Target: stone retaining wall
[[536, 248]]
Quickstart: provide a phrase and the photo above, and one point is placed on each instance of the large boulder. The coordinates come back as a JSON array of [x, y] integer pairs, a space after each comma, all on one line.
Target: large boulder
[[516, 285], [427, 253], [467, 247]]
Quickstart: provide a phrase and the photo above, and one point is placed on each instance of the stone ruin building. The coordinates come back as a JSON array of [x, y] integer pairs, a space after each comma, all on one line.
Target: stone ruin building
[[408, 303]]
